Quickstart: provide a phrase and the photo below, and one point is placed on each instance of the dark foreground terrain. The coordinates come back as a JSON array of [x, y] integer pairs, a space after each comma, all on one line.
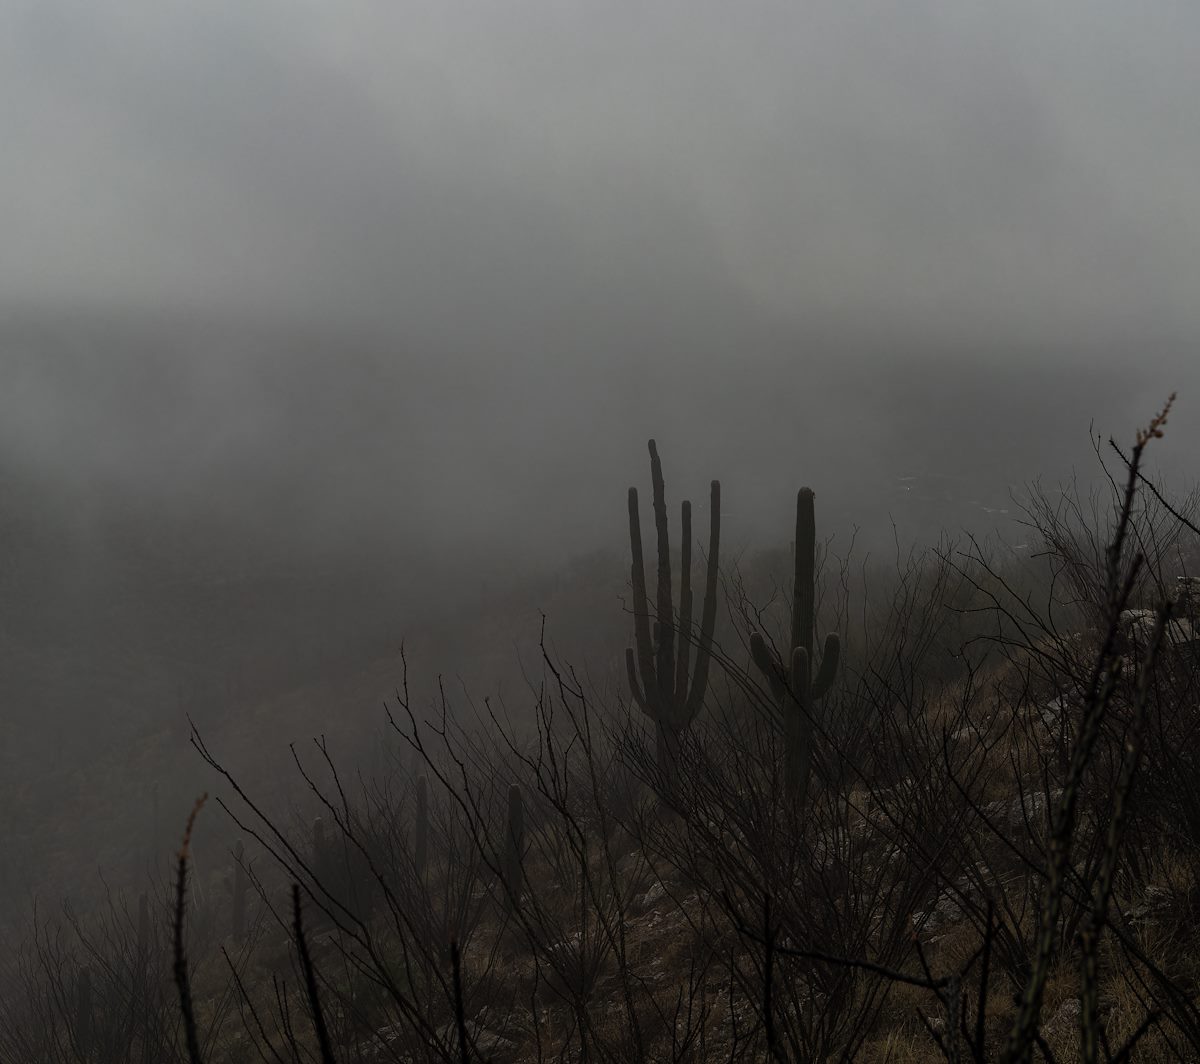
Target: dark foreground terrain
[[823, 810]]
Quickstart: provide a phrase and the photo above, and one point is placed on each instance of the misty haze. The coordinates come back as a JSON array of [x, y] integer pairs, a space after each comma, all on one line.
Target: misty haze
[[332, 337]]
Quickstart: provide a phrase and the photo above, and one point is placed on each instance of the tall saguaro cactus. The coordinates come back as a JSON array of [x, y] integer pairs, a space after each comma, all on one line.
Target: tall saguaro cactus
[[665, 692], [793, 684]]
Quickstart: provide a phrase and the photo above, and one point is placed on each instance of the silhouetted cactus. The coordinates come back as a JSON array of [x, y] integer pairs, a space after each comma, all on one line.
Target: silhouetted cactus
[[340, 866], [514, 846], [665, 692], [794, 687], [421, 831]]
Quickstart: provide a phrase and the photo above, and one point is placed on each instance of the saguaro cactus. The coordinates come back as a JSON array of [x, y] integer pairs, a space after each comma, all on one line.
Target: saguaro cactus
[[665, 691], [793, 685]]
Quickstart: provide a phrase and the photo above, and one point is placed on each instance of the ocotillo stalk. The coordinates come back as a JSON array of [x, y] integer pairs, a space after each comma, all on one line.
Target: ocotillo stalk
[[514, 846], [665, 692], [795, 689], [239, 892], [421, 831]]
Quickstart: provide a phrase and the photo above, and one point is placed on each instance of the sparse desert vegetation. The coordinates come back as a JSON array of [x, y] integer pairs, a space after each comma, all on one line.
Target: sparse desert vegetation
[[965, 828], [566, 531]]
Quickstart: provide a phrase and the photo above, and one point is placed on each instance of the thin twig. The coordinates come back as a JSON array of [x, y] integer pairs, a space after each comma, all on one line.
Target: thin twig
[[310, 980], [181, 972]]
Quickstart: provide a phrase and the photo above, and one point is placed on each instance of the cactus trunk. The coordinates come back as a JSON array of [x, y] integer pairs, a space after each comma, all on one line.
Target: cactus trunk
[[793, 686], [659, 663]]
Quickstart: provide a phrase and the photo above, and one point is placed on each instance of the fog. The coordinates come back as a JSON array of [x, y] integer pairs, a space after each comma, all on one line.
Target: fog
[[361, 309], [336, 254]]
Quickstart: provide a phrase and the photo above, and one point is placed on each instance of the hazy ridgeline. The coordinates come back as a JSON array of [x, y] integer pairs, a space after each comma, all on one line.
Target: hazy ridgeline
[[211, 519]]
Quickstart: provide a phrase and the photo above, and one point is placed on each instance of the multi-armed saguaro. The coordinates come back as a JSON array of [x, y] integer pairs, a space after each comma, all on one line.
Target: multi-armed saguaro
[[793, 685], [666, 692]]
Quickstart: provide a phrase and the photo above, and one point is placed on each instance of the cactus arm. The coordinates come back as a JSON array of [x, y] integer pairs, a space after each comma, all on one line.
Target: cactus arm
[[804, 586], [708, 618], [658, 674], [665, 664], [762, 654], [635, 687], [683, 655], [769, 665], [796, 689], [641, 609], [829, 665]]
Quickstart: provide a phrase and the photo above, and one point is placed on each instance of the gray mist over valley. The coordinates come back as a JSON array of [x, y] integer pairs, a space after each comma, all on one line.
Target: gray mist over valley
[[328, 327]]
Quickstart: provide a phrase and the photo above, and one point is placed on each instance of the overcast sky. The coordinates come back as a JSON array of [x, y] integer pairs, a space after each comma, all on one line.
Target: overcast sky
[[511, 239]]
